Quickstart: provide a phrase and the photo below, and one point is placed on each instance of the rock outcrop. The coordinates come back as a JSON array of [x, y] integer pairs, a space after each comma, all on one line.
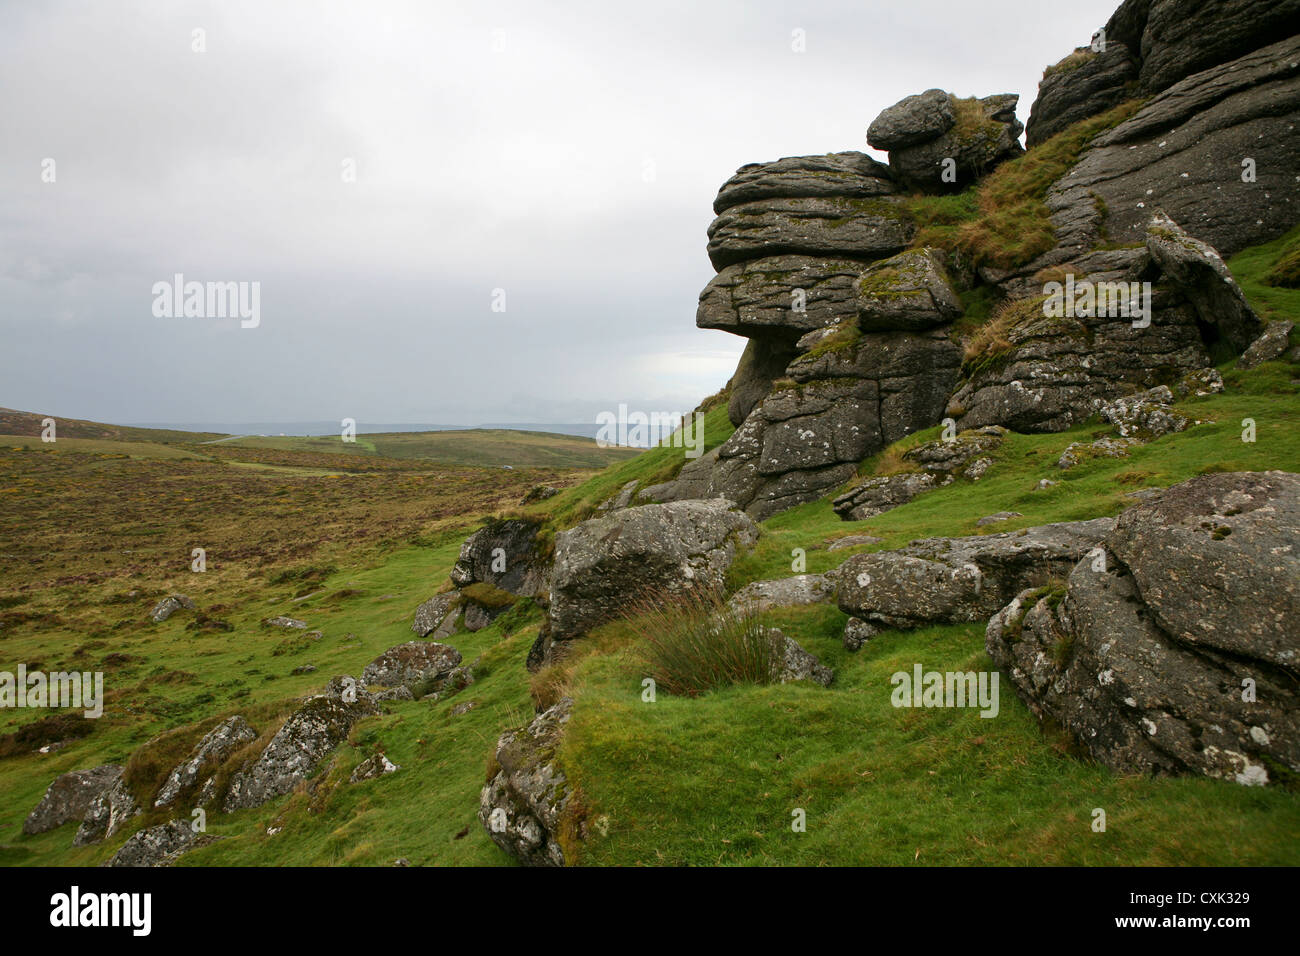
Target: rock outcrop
[[156, 846], [107, 814], [70, 796], [169, 606], [1174, 651], [802, 589], [605, 564], [952, 580], [524, 800], [216, 745], [438, 616], [1085, 84], [412, 663], [310, 734]]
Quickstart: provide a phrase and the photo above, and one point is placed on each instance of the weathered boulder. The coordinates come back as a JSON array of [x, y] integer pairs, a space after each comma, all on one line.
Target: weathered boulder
[[858, 633], [605, 563], [877, 495], [758, 596], [780, 297], [156, 846], [791, 662], [950, 580], [438, 616], [933, 154], [524, 800], [852, 541], [281, 621], [107, 814], [216, 745], [70, 796], [1177, 651], [410, 663], [1084, 84], [1144, 416], [1272, 342], [620, 500], [1200, 274], [169, 606], [913, 120], [310, 734]]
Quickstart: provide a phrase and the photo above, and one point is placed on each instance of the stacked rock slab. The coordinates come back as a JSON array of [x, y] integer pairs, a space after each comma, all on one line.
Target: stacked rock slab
[[874, 363], [1087, 82]]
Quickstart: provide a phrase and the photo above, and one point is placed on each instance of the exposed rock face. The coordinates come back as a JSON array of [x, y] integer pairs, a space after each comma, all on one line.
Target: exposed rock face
[[1083, 85], [156, 846], [877, 495], [849, 399], [169, 606], [975, 134], [1144, 416], [522, 804], [1178, 654], [107, 814], [849, 175], [1059, 369], [866, 228], [604, 563], [758, 596], [410, 663], [1200, 274], [70, 796], [503, 554], [1183, 152], [1180, 37], [309, 735], [438, 616], [218, 744], [949, 580]]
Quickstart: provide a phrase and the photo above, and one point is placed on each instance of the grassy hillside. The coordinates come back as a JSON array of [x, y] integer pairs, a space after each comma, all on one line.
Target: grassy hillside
[[90, 541]]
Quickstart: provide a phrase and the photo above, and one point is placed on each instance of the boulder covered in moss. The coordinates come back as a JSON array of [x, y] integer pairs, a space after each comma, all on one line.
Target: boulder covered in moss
[[216, 745], [604, 565], [1174, 649], [310, 735], [523, 804], [70, 796]]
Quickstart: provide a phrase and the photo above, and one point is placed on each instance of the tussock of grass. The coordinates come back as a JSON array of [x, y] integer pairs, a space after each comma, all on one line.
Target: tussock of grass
[[694, 643]]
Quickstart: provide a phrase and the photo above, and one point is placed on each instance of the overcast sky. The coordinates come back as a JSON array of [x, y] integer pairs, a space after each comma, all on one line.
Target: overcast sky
[[565, 152]]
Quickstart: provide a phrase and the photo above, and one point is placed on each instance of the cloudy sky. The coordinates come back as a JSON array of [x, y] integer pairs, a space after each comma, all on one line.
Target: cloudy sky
[[565, 152]]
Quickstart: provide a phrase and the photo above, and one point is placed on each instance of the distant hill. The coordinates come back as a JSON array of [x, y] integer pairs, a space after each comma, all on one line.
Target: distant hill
[[13, 422], [476, 447]]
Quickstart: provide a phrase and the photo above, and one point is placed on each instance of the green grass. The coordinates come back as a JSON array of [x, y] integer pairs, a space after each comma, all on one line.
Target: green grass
[[708, 779]]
